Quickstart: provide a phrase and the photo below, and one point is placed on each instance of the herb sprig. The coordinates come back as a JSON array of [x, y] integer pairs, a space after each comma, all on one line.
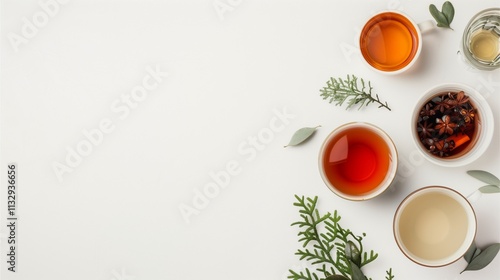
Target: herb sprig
[[493, 183], [352, 90], [335, 252], [478, 259], [444, 17]]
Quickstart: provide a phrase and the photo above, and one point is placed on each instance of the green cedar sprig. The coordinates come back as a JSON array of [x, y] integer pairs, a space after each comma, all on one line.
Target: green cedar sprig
[[342, 90], [335, 252]]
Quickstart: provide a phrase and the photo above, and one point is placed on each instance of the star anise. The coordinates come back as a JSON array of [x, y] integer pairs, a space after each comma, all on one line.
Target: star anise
[[458, 99], [444, 118], [442, 105], [468, 114], [425, 130], [427, 111], [443, 147], [445, 125]]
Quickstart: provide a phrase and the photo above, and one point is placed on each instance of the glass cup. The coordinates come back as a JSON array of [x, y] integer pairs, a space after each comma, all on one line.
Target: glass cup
[[480, 46], [391, 42]]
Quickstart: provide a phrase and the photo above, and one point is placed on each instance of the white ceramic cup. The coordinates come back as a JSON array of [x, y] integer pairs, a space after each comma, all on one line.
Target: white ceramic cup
[[484, 124], [377, 39], [341, 150], [434, 226]]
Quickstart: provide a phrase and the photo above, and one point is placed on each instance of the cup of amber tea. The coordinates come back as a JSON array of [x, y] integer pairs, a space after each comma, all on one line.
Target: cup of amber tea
[[434, 226], [358, 161], [452, 125], [391, 42]]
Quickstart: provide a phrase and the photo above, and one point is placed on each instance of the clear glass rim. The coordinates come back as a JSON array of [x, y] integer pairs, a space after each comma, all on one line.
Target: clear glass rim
[[466, 38]]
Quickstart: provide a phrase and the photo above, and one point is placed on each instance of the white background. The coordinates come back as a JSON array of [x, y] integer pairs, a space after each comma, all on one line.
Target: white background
[[116, 215]]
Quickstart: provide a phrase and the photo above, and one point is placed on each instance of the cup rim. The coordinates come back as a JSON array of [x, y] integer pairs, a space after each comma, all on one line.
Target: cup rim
[[469, 239], [484, 136], [463, 44], [390, 176], [419, 47]]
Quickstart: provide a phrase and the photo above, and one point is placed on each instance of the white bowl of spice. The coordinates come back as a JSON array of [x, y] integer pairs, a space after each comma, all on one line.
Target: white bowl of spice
[[452, 125]]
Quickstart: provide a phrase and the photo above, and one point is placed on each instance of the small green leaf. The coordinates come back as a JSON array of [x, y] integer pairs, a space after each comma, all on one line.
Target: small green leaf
[[476, 253], [352, 253], [357, 274], [440, 18], [484, 176], [489, 189], [469, 255], [336, 277], [484, 258], [301, 135], [347, 250], [448, 11]]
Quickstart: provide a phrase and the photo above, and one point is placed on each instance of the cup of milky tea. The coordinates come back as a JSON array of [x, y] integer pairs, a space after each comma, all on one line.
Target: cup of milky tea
[[358, 161], [481, 40], [391, 42], [434, 226]]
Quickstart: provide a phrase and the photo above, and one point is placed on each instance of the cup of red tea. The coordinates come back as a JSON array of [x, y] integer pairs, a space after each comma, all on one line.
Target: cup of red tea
[[452, 125], [358, 161], [434, 226], [391, 42]]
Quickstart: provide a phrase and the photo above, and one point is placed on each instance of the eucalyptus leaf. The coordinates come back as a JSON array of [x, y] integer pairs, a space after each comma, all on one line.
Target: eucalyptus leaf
[[448, 11], [357, 274], [301, 135], [440, 18], [484, 176], [484, 258], [476, 253], [469, 255], [490, 189], [336, 277]]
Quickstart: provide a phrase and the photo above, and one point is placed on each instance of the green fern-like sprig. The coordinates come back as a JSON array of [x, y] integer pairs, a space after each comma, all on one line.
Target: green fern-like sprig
[[389, 275], [335, 252], [352, 90]]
